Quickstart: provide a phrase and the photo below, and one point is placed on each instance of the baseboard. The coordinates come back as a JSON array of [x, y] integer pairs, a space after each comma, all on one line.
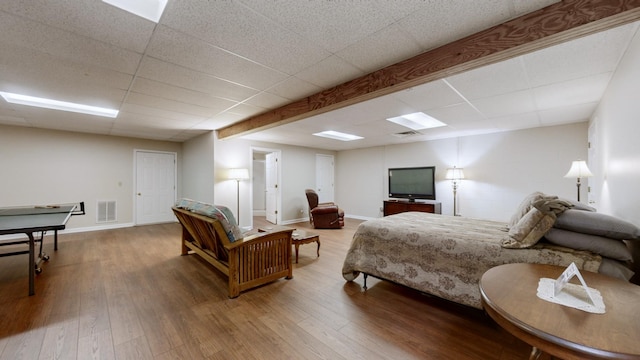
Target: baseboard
[[259, 212], [288, 222], [73, 230], [357, 217]]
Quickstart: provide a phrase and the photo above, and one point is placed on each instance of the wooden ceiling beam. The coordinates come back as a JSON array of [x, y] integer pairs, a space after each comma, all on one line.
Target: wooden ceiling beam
[[552, 25]]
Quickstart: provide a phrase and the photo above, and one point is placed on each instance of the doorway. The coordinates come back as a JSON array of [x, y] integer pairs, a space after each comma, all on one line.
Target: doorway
[[155, 190], [266, 168]]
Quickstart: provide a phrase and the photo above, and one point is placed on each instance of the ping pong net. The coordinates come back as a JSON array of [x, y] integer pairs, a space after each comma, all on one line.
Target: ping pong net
[[78, 209]]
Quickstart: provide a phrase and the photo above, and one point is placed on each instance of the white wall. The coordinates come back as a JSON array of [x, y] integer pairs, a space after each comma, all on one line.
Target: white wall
[[198, 154], [298, 173], [501, 169], [49, 167], [616, 160]]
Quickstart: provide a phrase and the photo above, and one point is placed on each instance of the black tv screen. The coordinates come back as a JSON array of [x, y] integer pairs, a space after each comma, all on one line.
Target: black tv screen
[[412, 183]]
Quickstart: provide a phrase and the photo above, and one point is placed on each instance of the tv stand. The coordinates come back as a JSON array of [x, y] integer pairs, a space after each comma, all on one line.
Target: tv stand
[[399, 206]]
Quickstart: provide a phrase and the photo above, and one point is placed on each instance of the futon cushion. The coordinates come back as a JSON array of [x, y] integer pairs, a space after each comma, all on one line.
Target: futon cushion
[[595, 223], [215, 212], [611, 248]]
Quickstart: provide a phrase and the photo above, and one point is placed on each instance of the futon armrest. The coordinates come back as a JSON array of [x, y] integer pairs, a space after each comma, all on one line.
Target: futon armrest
[[324, 210], [258, 237]]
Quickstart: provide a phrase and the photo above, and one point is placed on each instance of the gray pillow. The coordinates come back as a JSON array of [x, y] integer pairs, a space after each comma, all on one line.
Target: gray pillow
[[588, 222], [615, 269], [578, 205], [611, 248]]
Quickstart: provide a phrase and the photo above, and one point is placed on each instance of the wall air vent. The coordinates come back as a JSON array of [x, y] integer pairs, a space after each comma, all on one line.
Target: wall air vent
[[106, 211], [407, 133]]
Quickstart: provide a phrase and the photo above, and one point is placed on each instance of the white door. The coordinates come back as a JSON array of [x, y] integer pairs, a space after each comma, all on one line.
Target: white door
[[324, 177], [155, 187], [271, 179]]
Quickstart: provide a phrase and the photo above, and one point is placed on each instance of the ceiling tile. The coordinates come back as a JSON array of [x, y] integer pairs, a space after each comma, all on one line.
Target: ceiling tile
[[456, 114], [172, 74], [89, 18], [526, 6], [567, 114], [496, 79], [366, 54], [573, 92], [333, 25], [65, 45], [439, 23], [240, 30], [518, 102], [329, 72], [170, 105], [436, 94], [147, 111], [293, 88], [176, 48], [187, 96], [513, 122], [580, 57], [267, 100]]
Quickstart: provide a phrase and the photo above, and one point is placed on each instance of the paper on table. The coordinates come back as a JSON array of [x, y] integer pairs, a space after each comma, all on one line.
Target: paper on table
[[575, 296]]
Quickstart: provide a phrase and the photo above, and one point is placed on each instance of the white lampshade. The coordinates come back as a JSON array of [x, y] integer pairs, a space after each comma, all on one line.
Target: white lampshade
[[455, 174], [578, 169], [238, 174]]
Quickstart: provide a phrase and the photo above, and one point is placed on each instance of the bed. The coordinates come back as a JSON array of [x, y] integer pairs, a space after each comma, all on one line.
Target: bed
[[446, 255]]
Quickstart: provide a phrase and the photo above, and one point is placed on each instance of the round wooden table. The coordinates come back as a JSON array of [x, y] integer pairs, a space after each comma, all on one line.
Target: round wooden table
[[509, 297]]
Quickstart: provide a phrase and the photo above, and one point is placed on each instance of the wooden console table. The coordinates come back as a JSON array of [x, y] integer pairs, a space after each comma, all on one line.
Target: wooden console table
[[509, 297], [398, 206]]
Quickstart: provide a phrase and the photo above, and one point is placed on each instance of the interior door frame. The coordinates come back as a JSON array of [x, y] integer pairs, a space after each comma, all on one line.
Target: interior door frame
[[135, 177], [258, 149]]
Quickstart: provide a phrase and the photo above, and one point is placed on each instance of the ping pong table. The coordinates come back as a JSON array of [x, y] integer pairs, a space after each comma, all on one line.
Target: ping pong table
[[33, 220]]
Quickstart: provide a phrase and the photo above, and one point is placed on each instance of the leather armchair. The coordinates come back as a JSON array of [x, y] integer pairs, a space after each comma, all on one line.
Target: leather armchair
[[324, 215]]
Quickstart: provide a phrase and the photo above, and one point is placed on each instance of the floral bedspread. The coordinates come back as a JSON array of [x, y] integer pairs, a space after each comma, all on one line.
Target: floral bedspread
[[444, 255]]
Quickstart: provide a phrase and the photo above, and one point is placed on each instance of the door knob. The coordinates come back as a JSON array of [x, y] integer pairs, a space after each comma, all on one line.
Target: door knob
[[139, 194]]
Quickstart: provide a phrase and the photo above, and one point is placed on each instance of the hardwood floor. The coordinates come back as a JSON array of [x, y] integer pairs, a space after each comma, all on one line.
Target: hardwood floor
[[128, 294]]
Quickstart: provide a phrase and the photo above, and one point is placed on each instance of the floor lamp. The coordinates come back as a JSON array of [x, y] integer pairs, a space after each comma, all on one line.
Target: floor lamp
[[455, 175], [578, 170], [237, 175]]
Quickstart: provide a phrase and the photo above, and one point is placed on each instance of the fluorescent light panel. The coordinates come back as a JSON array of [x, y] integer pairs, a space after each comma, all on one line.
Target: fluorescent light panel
[[58, 105], [148, 9], [336, 135], [417, 121]]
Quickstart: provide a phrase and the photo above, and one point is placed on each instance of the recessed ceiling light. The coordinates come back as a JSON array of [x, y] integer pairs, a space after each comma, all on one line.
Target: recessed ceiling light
[[417, 121], [148, 9], [336, 135], [58, 105]]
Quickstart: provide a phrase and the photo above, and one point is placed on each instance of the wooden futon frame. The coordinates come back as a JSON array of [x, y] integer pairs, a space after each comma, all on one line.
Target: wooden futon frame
[[249, 262]]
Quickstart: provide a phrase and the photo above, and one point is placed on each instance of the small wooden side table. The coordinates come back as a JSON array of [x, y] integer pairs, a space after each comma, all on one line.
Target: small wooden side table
[[299, 237], [509, 297]]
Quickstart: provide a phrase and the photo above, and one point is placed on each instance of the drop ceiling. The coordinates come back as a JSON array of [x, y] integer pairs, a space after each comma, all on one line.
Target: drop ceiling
[[209, 64]]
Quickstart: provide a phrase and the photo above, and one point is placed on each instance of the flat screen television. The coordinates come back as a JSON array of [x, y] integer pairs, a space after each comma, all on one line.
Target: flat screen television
[[412, 183]]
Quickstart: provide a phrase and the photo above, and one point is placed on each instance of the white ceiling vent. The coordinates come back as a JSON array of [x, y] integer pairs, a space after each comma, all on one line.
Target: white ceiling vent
[[407, 133], [106, 211]]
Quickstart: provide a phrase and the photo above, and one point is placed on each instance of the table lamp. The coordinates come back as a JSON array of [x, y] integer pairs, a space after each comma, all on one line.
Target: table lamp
[[455, 175], [237, 175], [578, 170]]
